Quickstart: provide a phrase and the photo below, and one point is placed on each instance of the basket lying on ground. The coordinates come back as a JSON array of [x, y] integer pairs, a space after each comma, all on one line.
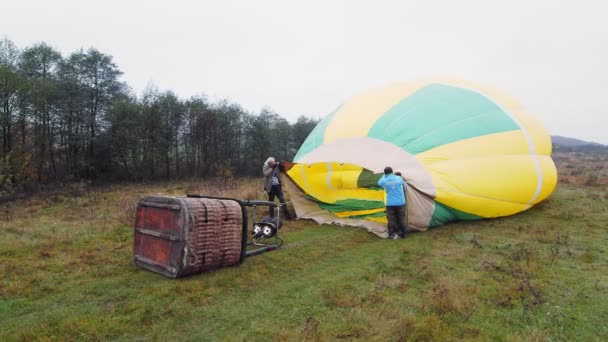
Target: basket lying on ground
[[179, 236]]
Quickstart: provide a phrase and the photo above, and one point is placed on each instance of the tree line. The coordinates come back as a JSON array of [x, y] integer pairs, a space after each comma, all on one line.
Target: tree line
[[71, 118]]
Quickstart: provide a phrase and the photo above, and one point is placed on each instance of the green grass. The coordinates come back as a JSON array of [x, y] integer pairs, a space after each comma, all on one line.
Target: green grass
[[67, 273]]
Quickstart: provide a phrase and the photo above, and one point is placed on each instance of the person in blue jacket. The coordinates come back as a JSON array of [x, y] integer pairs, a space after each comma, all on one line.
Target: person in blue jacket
[[395, 202]]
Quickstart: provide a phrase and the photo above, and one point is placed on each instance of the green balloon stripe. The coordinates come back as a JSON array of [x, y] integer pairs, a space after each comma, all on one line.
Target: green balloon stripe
[[368, 179], [316, 137], [437, 115], [444, 214], [351, 205]]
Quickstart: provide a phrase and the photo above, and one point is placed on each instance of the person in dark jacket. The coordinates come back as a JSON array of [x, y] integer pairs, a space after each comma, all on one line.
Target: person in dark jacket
[[395, 202], [272, 185]]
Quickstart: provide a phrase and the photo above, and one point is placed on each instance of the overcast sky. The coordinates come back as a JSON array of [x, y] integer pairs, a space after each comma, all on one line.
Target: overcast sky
[[306, 57]]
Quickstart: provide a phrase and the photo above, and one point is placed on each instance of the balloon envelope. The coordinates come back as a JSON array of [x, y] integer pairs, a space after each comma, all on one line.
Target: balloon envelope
[[467, 152]]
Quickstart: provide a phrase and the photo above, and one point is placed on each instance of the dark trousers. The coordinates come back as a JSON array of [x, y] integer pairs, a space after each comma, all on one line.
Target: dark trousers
[[397, 222], [277, 191]]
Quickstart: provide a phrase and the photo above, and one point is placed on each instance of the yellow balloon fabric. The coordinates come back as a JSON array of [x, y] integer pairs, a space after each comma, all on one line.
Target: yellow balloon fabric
[[467, 152]]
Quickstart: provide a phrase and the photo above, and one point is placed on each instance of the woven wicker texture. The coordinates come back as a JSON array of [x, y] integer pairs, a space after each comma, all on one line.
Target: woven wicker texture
[[214, 234]]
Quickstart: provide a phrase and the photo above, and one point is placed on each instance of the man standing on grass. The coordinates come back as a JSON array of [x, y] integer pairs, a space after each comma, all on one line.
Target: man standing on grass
[[395, 202], [272, 185]]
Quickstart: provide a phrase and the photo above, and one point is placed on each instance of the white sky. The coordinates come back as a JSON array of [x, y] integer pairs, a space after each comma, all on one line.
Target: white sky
[[306, 57]]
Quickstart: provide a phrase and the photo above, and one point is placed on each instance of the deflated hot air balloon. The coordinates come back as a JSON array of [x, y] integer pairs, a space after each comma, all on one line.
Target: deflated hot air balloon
[[467, 152]]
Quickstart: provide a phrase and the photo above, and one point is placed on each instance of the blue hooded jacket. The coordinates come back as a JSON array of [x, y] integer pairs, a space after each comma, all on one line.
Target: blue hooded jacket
[[394, 186]]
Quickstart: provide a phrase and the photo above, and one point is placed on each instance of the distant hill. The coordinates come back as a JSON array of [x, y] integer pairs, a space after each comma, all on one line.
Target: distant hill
[[571, 144]]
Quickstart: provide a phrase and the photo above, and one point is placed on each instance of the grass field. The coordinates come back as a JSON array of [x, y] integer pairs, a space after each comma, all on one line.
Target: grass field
[[67, 273]]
